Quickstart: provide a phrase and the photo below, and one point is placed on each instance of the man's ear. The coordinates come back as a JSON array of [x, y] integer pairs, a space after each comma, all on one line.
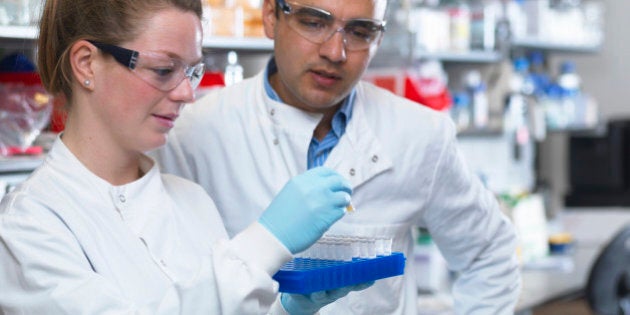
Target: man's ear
[[82, 55], [269, 17]]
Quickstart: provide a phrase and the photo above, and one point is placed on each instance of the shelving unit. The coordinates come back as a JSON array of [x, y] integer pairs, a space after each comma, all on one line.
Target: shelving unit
[[18, 32], [546, 45], [27, 33], [238, 43], [397, 50], [19, 164], [468, 57], [493, 131]]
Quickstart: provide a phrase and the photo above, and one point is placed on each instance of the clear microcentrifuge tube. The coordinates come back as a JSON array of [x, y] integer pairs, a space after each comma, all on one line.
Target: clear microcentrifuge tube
[[387, 246], [363, 248], [347, 248], [371, 247], [356, 248], [379, 246]]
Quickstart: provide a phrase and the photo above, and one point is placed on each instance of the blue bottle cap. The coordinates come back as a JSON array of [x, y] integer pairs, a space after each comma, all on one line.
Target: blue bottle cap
[[520, 64]]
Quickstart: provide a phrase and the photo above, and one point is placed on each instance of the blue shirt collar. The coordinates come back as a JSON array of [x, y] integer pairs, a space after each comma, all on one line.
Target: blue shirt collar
[[340, 119]]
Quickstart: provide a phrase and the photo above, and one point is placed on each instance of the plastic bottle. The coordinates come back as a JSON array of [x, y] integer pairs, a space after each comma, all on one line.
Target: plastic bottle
[[503, 34], [459, 26], [518, 19], [517, 106], [551, 102], [429, 86], [233, 71], [479, 99], [460, 112], [541, 81], [481, 108], [571, 95], [568, 78], [540, 77], [522, 81], [483, 18]]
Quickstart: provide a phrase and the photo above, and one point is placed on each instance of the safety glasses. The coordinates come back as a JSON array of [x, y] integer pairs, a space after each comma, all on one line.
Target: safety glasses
[[159, 70], [318, 26]]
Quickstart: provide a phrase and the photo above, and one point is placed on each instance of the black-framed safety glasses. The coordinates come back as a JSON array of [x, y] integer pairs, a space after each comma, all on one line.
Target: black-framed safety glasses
[[318, 26], [157, 69]]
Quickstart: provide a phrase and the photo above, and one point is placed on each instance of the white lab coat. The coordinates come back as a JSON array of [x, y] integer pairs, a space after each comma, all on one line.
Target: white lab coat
[[71, 243], [405, 169]]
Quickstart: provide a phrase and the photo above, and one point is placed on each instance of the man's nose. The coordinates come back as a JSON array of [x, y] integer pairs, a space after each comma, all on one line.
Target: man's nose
[[334, 47]]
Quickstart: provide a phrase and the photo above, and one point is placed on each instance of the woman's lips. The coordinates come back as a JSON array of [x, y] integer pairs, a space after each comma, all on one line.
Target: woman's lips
[[166, 120]]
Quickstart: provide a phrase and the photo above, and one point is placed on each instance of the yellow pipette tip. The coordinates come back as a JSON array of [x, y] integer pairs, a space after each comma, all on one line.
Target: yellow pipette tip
[[350, 208]]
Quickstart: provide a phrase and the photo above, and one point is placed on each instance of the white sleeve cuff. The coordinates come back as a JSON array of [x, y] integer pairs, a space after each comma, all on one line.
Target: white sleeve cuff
[[257, 246], [277, 308]]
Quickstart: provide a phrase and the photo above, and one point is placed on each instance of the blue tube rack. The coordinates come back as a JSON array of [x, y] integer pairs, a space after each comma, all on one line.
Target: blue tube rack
[[308, 275]]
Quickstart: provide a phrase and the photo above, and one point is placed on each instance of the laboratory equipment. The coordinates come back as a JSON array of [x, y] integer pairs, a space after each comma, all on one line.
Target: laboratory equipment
[[461, 111], [608, 286], [25, 109], [598, 167], [476, 88], [233, 71], [337, 261]]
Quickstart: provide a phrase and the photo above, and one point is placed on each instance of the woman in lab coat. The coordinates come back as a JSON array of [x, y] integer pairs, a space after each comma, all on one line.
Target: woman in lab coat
[[97, 229]]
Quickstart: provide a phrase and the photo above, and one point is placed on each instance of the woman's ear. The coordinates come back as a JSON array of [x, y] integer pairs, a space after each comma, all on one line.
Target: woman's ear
[[82, 55], [269, 17]]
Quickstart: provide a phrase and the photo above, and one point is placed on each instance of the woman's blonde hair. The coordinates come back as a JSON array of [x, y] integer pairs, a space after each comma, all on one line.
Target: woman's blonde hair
[[65, 22]]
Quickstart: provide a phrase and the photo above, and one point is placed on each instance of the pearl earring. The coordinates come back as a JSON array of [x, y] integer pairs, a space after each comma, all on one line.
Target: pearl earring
[[86, 82]]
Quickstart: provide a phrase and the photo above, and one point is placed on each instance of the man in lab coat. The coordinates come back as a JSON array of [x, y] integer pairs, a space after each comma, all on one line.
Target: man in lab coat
[[308, 108]]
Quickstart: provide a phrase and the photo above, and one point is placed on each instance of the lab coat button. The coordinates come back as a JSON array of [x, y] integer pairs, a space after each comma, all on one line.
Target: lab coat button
[[352, 172], [272, 112], [375, 158], [162, 262], [122, 198], [276, 141]]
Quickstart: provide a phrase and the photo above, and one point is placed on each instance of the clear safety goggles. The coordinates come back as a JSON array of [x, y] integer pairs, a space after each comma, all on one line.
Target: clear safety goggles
[[318, 26], [157, 69]]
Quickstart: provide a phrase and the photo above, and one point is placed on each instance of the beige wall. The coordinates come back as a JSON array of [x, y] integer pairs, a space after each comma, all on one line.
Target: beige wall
[[606, 76]]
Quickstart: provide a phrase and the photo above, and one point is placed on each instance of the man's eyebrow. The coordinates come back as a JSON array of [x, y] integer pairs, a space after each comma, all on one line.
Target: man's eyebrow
[[315, 12]]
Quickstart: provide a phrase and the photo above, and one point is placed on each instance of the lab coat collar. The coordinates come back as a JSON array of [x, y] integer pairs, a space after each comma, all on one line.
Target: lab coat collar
[[286, 116], [137, 195], [358, 156]]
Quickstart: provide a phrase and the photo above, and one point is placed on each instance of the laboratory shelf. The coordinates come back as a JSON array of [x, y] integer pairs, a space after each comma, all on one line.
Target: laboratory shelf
[[596, 130], [18, 164], [485, 132], [238, 43], [212, 42], [467, 56], [18, 32], [568, 47]]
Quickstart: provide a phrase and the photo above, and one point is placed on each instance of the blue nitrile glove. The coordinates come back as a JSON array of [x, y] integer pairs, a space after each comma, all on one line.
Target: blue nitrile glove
[[302, 304], [306, 207]]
